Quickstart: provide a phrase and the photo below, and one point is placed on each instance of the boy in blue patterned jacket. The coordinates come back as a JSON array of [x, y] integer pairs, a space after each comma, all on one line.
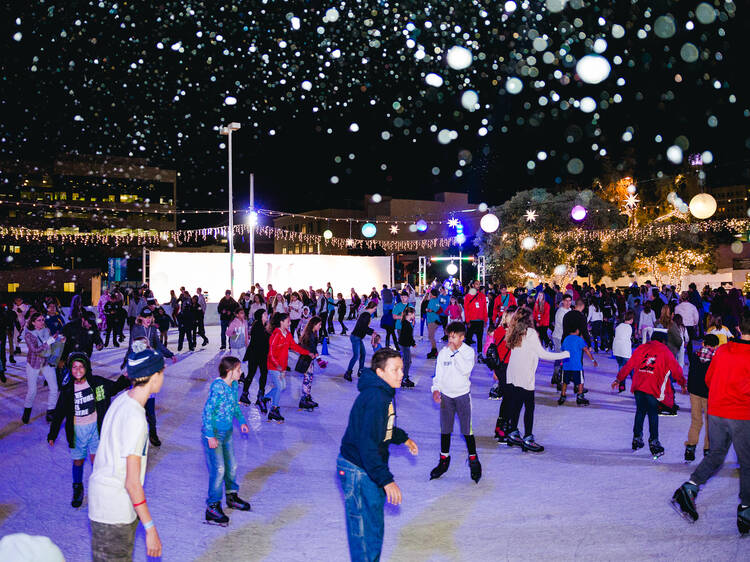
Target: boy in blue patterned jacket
[[221, 408]]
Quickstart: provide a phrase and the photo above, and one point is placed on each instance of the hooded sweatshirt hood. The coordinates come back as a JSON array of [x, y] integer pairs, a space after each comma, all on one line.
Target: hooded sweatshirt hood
[[370, 379], [81, 357]]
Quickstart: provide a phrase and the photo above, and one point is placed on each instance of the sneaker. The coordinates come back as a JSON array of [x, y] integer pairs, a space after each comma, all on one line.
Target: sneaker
[[348, 376], [561, 400]]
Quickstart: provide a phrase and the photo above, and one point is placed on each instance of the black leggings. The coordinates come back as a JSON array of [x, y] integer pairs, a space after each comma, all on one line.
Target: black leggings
[[253, 364], [544, 336], [476, 327], [390, 331], [341, 321], [521, 398]]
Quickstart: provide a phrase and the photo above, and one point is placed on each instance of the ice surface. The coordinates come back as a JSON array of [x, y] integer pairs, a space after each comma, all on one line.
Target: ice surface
[[587, 497]]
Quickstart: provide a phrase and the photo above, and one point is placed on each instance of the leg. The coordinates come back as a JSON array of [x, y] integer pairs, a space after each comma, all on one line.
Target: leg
[[528, 412], [216, 469], [330, 323], [51, 377], [362, 355], [741, 442], [252, 366], [640, 413], [230, 464], [395, 338], [431, 329], [463, 410], [112, 542], [263, 378], [307, 379], [355, 341], [151, 415], [721, 439], [447, 418], [706, 441], [31, 377], [652, 410], [406, 355], [224, 326], [696, 420], [479, 330]]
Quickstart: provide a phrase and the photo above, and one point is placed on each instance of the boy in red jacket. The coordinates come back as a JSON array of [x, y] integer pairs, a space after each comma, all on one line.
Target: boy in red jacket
[[652, 365], [475, 313], [728, 381]]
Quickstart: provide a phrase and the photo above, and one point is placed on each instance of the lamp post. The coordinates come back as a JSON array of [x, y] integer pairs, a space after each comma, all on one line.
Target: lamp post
[[253, 220], [230, 234]]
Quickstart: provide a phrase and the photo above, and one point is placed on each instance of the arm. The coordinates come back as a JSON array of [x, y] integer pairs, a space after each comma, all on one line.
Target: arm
[[371, 435], [209, 413], [57, 418], [275, 345], [634, 360], [293, 345], [588, 352], [543, 353], [138, 498], [33, 343]]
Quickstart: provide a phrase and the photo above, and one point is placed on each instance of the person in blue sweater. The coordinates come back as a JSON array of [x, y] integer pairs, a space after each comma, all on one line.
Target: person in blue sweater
[[362, 463], [219, 413]]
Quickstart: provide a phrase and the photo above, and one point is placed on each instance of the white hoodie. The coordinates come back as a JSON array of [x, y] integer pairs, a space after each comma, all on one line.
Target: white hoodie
[[453, 370], [524, 360]]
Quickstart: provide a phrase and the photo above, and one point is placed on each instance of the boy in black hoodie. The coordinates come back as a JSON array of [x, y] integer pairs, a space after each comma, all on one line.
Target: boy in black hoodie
[[82, 403], [699, 395], [363, 459]]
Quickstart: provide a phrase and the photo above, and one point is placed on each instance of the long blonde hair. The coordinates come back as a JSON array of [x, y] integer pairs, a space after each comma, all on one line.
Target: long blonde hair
[[666, 316], [519, 323]]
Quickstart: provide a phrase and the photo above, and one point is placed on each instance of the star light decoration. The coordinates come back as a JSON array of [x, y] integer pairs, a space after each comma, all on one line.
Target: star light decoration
[[394, 229], [631, 201], [530, 215], [453, 222]]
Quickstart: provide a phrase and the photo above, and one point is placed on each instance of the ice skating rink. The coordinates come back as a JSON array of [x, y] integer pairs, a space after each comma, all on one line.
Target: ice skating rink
[[587, 497]]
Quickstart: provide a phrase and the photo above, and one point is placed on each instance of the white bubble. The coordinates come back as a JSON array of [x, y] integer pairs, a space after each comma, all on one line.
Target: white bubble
[[334, 179], [354, 127], [470, 100], [17, 36], [627, 136], [295, 22], [77, 118], [434, 80], [385, 135], [513, 85], [510, 6], [736, 247], [705, 13], [674, 154], [689, 52], [707, 157], [593, 69], [332, 15], [458, 57], [555, 6], [528, 243], [665, 27], [230, 100], [307, 85], [588, 104], [618, 31], [600, 45], [412, 228], [713, 121], [176, 46], [539, 44], [575, 166], [541, 155], [482, 131], [445, 136], [377, 198], [483, 207]]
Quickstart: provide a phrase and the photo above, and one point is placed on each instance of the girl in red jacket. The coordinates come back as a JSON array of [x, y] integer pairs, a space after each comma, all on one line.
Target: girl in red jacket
[[652, 365], [541, 319], [278, 357], [503, 353]]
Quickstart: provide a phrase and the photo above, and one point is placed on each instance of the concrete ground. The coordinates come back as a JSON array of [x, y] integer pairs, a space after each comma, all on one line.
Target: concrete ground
[[587, 497]]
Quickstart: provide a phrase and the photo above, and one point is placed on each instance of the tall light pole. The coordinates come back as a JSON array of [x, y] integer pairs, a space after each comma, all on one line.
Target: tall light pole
[[230, 235], [253, 220]]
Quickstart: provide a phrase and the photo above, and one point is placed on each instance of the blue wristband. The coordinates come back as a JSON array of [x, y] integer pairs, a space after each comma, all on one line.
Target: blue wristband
[[148, 525]]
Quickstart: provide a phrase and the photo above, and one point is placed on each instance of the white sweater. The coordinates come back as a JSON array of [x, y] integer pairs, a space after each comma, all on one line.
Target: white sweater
[[524, 360], [559, 315], [621, 345], [453, 370]]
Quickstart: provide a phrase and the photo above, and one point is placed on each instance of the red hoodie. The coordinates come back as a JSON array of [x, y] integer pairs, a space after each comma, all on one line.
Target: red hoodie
[[652, 364], [278, 350], [541, 314], [475, 307], [502, 302], [728, 381]]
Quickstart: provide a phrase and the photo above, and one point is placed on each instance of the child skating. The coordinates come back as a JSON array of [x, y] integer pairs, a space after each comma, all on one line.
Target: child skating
[[573, 367], [451, 389], [221, 409], [406, 342]]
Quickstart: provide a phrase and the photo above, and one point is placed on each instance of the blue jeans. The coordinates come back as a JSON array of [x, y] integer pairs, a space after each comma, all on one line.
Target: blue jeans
[[363, 501], [222, 466], [645, 404], [358, 352], [279, 384], [224, 326]]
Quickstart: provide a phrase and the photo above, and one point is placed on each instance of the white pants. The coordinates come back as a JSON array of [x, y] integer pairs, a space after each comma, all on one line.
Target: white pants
[[31, 385], [646, 332]]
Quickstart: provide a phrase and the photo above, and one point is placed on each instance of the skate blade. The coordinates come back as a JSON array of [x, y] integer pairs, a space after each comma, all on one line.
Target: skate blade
[[678, 509], [215, 524]]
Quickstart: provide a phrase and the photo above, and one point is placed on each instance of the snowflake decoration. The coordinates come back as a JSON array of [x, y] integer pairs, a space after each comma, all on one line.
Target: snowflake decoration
[[530, 215], [350, 242], [631, 201], [453, 222], [394, 229]]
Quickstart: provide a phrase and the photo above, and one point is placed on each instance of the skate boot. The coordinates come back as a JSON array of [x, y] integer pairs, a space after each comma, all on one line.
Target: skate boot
[[743, 519], [581, 400], [530, 445], [260, 401], [432, 354], [312, 402], [235, 502], [275, 415], [683, 501], [77, 494], [689, 453], [348, 376], [500, 430], [2, 377], [561, 400], [656, 449], [407, 383], [154, 438], [495, 393], [304, 404], [26, 415], [475, 468], [513, 439], [441, 468], [556, 379], [215, 516], [48, 417], [245, 399], [637, 443]]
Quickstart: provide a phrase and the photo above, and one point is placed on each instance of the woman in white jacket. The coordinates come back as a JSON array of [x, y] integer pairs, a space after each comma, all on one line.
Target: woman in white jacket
[[525, 352]]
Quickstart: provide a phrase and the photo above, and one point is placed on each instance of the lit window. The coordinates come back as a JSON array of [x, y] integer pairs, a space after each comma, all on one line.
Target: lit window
[[12, 287], [69, 287], [283, 250], [51, 249]]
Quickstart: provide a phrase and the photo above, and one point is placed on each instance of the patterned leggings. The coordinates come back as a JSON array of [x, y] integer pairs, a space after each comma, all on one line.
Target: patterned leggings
[[307, 380]]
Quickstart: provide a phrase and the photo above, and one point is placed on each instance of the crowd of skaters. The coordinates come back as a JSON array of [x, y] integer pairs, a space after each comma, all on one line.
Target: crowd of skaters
[[654, 333]]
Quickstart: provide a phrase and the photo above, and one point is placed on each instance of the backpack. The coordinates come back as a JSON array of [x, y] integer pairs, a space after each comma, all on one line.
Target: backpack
[[492, 357]]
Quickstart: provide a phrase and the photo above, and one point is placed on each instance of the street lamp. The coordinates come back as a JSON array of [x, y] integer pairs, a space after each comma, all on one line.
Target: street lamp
[[230, 235]]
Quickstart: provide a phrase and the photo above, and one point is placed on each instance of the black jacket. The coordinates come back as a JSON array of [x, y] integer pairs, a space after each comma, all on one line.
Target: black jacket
[[406, 336], [227, 307], [259, 338], [362, 327], [575, 320], [697, 376], [78, 338]]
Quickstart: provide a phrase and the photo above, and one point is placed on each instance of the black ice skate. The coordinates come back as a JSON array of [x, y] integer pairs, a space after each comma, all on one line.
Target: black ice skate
[[348, 376], [245, 399], [683, 501], [312, 402], [495, 393], [530, 445], [561, 400], [235, 502], [689, 453], [215, 516], [304, 404], [77, 494], [441, 468], [261, 403], [656, 449], [581, 400], [432, 354], [275, 415], [406, 382], [743, 519], [475, 469], [500, 435], [513, 439], [637, 443]]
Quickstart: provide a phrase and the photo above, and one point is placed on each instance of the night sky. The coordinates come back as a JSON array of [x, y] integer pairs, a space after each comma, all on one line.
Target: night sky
[[337, 99]]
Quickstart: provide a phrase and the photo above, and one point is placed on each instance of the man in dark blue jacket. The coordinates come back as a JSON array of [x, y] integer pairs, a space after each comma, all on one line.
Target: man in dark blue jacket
[[363, 460]]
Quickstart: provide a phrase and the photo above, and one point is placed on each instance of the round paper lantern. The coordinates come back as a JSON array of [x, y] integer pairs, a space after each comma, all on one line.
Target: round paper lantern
[[452, 268], [736, 247], [327, 234], [631, 189], [578, 213], [460, 238], [377, 198], [482, 207], [489, 223], [702, 206], [369, 230], [528, 243], [561, 269], [421, 225]]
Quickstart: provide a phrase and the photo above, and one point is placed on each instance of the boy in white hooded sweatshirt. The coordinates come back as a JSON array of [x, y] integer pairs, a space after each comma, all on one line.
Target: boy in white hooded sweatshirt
[[451, 388]]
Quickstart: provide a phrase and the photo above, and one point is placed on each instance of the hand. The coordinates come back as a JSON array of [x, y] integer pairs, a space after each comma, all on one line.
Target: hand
[[99, 347], [494, 377], [615, 384], [174, 359], [153, 543], [244, 428], [213, 442], [393, 493], [413, 449], [684, 390], [436, 396], [51, 442]]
